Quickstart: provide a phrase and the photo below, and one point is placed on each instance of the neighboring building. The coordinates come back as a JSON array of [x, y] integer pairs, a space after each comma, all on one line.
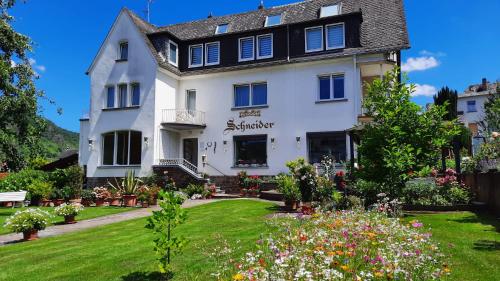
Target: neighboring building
[[470, 104], [248, 91]]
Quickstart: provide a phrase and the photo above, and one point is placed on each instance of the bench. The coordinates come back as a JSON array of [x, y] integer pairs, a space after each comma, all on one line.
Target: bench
[[17, 196]]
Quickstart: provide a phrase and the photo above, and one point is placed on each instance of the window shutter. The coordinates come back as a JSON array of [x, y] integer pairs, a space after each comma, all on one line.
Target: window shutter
[[335, 36], [265, 46], [314, 38], [246, 48], [213, 53]]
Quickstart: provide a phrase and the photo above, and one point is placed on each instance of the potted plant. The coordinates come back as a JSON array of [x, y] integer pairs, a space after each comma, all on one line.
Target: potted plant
[[128, 188], [39, 192], [88, 197], [115, 198], [68, 211], [101, 194], [288, 186], [305, 175], [28, 222], [143, 196], [153, 195]]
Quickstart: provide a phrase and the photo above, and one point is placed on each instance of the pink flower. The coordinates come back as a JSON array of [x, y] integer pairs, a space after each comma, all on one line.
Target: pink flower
[[417, 224]]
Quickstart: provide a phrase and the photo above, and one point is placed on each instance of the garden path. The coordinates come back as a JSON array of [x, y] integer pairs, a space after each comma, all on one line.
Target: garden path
[[84, 224]]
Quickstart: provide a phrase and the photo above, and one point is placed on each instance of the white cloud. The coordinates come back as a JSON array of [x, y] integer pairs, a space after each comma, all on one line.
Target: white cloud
[[424, 90], [12, 63], [38, 67], [419, 64], [432, 54]]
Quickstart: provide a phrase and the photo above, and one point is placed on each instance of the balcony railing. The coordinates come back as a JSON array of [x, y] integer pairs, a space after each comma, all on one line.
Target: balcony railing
[[183, 116]]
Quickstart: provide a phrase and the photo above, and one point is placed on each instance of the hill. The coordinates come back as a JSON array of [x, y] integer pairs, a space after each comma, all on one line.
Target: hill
[[56, 140]]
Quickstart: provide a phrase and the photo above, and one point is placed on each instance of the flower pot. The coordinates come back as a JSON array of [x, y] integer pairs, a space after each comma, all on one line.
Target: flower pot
[[154, 202], [291, 205], [115, 202], [57, 202], [129, 200], [69, 219], [45, 203], [7, 204], [77, 200], [306, 208], [145, 204], [86, 203], [30, 235], [99, 202]]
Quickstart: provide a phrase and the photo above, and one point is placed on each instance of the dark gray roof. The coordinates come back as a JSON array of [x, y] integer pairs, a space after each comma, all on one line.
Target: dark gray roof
[[383, 28]]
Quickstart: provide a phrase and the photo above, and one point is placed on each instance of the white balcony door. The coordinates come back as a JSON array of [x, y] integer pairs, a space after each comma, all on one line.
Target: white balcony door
[[191, 101]]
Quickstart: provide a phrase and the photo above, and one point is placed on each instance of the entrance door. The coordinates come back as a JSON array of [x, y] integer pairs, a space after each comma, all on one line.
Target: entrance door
[[190, 150]]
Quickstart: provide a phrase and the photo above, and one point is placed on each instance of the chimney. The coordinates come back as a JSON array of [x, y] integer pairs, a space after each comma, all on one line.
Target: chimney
[[484, 84], [261, 5]]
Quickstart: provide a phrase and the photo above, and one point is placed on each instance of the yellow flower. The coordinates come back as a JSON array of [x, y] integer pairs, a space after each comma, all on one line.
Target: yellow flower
[[238, 277], [344, 267], [378, 274]]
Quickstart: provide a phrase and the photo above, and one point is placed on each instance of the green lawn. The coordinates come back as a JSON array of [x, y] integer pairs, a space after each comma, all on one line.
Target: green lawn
[[87, 213], [124, 251], [474, 241]]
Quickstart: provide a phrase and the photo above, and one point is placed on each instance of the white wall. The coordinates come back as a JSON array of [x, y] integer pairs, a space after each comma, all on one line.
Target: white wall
[[140, 67], [83, 147], [472, 117], [292, 95]]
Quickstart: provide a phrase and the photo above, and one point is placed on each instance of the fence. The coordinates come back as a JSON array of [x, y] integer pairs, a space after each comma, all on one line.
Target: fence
[[486, 189]]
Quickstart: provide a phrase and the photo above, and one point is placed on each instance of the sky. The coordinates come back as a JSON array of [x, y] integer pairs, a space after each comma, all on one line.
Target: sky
[[454, 43]]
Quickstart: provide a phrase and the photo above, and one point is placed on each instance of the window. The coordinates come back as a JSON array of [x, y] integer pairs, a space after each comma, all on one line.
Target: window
[[123, 51], [191, 100], [273, 20], [212, 53], [314, 39], [329, 11], [110, 97], [335, 36], [221, 28], [471, 106], [122, 95], [172, 53], [250, 150], [246, 49], [250, 95], [331, 144], [331, 87], [136, 94], [265, 46], [195, 55], [122, 148]]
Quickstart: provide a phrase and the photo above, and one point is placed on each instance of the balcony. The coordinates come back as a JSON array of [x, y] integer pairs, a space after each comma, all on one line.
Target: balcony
[[183, 119]]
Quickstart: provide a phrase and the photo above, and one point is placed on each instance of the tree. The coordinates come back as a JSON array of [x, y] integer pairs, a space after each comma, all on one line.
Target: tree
[[402, 138], [20, 124], [491, 121], [447, 98]]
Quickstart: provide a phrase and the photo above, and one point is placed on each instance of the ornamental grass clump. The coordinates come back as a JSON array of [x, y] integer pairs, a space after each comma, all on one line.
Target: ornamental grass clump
[[343, 245], [32, 219]]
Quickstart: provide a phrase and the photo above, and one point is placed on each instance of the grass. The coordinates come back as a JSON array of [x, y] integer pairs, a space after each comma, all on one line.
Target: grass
[[472, 240], [124, 251], [87, 213]]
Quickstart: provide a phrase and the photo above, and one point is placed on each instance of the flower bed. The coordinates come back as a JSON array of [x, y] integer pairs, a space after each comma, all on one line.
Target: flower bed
[[347, 245]]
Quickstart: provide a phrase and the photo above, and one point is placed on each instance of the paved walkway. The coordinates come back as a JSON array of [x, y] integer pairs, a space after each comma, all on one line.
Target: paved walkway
[[66, 228]]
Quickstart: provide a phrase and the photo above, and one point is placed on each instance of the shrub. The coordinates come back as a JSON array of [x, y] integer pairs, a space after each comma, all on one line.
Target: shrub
[[350, 202], [193, 189], [38, 190], [288, 186], [101, 192], [68, 209], [21, 180], [458, 195], [420, 192], [346, 245], [368, 190], [324, 190], [29, 219], [88, 195], [305, 175], [70, 177]]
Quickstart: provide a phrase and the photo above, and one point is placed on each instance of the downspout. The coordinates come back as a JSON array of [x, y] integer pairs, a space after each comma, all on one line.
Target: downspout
[[288, 43]]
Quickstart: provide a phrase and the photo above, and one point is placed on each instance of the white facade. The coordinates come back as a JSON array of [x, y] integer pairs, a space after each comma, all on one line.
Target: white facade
[[292, 111]]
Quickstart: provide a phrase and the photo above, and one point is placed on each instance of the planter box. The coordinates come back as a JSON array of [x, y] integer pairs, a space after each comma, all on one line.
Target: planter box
[[434, 208]]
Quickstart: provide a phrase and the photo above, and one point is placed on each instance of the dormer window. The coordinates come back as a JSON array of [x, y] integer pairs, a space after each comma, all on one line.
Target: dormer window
[[196, 55], [329, 11], [221, 28], [212, 53], [246, 49], [123, 51], [273, 20], [172, 53], [335, 36]]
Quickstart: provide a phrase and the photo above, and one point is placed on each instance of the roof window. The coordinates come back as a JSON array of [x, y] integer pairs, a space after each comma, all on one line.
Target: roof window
[[328, 11], [221, 28], [273, 20]]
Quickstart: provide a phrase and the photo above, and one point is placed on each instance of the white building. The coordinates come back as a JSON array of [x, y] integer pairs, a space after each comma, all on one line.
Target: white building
[[249, 91]]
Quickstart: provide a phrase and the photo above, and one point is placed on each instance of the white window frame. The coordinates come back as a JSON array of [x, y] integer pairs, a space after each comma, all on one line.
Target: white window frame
[[131, 92], [106, 96], [118, 96], [120, 50], [332, 95], [326, 36], [266, 23], [115, 149], [305, 39], [176, 63], [190, 55], [272, 46], [339, 10], [250, 92], [217, 29], [239, 49], [473, 103], [206, 53]]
